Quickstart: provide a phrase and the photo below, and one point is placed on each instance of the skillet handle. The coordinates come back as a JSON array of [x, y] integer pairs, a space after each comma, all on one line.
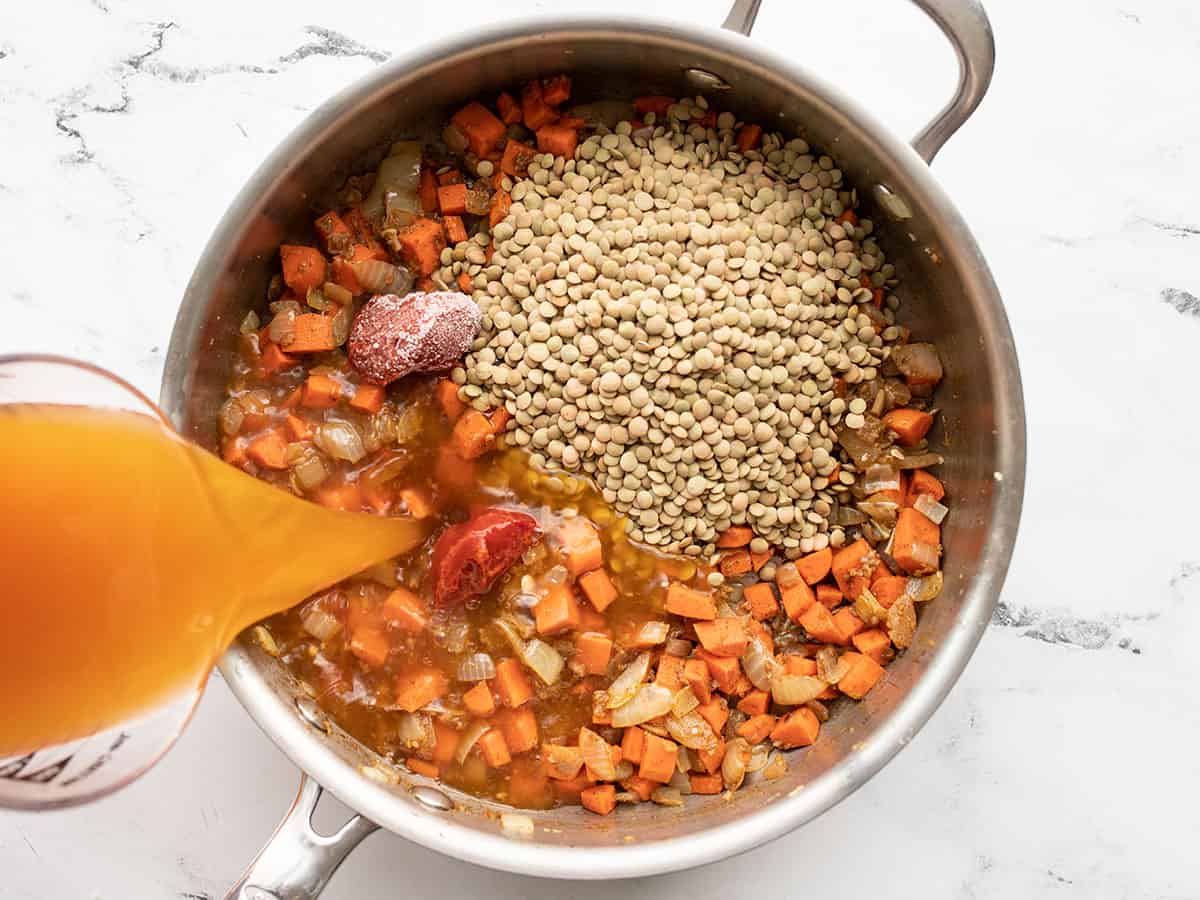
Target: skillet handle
[[966, 26], [297, 862]]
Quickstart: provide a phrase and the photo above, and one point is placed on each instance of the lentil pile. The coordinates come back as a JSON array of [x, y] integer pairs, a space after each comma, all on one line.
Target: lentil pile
[[667, 312]]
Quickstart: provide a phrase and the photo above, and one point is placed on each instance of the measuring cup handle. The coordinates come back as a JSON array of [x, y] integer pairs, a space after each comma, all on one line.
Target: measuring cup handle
[[297, 862], [966, 26]]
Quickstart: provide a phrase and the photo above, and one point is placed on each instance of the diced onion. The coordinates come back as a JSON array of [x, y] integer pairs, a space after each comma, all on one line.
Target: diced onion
[[282, 329], [597, 755], [650, 702], [869, 609], [321, 624], [652, 633], [395, 200], [678, 647], [881, 509], [685, 701], [880, 478], [342, 319], [381, 277], [930, 508], [623, 770], [468, 739], [758, 664], [918, 461], [625, 685], [562, 762], [759, 754], [787, 576], [733, 766], [251, 323], [310, 471], [340, 440], [830, 667], [692, 731], [776, 768], [667, 796], [544, 660], [414, 731], [922, 590], [793, 690], [516, 825], [231, 416], [926, 556], [476, 667]]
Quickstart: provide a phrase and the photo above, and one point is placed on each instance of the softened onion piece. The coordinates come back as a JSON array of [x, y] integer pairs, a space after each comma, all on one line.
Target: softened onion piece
[[320, 624], [469, 738], [793, 690], [544, 660], [597, 755], [691, 731], [624, 770], [880, 509], [922, 590], [880, 478], [649, 702], [652, 633], [516, 825], [869, 609], [340, 440], [250, 324], [759, 665], [830, 667], [282, 329], [917, 460], [414, 731], [667, 796], [477, 667], [395, 199], [231, 416], [381, 277], [563, 762], [930, 509], [733, 766], [625, 685], [310, 471], [927, 556], [685, 701], [678, 647], [759, 754]]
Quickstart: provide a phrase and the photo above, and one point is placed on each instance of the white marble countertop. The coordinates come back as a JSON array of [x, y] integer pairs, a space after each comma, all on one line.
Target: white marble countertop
[[1064, 762]]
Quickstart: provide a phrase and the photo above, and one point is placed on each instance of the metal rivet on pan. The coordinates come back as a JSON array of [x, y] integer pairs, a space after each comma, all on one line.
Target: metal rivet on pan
[[704, 80], [432, 798], [310, 712]]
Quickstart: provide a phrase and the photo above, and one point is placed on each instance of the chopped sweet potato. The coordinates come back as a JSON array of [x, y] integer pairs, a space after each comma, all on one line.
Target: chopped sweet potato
[[557, 610], [689, 603], [479, 701], [757, 728], [819, 624], [303, 267], [421, 245], [916, 543], [735, 563], [656, 104], [368, 398], [456, 233], [404, 609], [473, 435], [815, 566], [599, 798], [452, 199], [760, 600], [534, 109], [581, 547], [501, 203], [593, 650], [909, 425], [509, 109], [268, 450], [797, 598], [419, 687], [924, 483], [598, 588], [722, 637], [735, 536], [556, 90], [749, 137], [863, 675], [874, 643], [447, 395], [520, 728], [512, 684], [887, 590], [658, 758], [321, 392], [799, 728], [557, 139], [484, 132], [516, 159], [494, 749], [854, 568]]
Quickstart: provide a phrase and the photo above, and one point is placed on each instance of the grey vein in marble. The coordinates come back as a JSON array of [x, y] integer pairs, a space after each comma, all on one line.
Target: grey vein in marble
[[1071, 631], [1184, 302]]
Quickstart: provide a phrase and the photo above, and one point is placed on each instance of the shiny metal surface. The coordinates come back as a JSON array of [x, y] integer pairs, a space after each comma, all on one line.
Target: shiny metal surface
[[951, 299]]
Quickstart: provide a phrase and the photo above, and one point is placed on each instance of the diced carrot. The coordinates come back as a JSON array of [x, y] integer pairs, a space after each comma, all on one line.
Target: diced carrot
[[658, 758], [794, 664], [696, 674], [760, 599], [735, 536], [723, 669], [557, 139], [819, 624], [916, 543], [599, 798], [711, 759], [494, 749], [757, 728], [272, 359], [473, 435], [580, 544], [735, 563], [417, 502], [405, 609], [690, 603], [428, 190], [453, 472], [342, 273], [847, 623], [520, 728], [797, 598], [799, 728], [483, 131], [670, 672], [924, 483], [590, 620], [874, 642], [418, 688], [758, 560], [715, 712], [510, 111], [570, 791], [421, 767], [847, 218], [456, 233], [742, 686], [321, 392], [534, 109], [313, 334], [421, 245], [749, 136], [633, 742], [269, 450], [556, 90], [723, 637], [448, 177], [909, 425], [754, 703], [557, 610], [887, 590], [446, 739], [863, 675], [452, 199], [593, 651], [346, 497], [598, 588], [815, 566], [854, 566], [297, 428], [498, 418], [479, 700], [370, 645], [368, 398], [447, 395], [828, 595], [512, 684], [292, 400], [653, 104], [639, 786], [366, 246], [516, 159], [501, 203], [303, 267], [706, 784], [335, 233]]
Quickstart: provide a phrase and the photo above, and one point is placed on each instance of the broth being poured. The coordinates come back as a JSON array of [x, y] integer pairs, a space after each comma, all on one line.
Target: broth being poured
[[131, 558]]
